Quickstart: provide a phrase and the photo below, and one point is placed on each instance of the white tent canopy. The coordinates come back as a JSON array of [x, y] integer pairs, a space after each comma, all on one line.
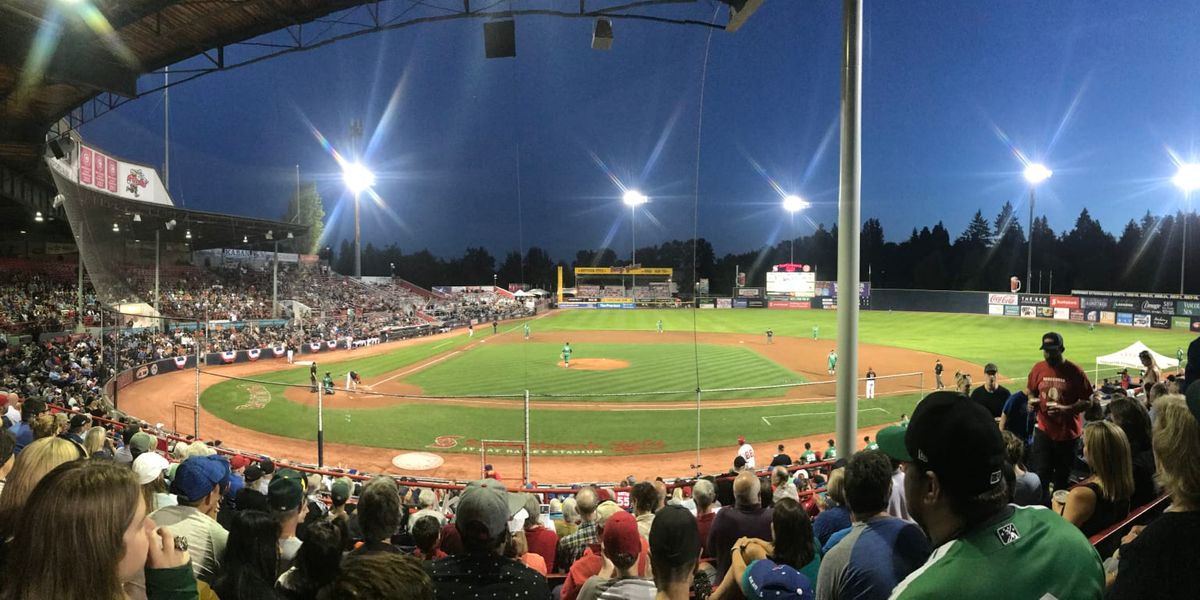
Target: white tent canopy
[[522, 294], [1129, 358]]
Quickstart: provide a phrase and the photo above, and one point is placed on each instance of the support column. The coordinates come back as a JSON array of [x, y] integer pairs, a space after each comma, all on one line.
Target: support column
[[156, 270], [848, 226], [275, 285]]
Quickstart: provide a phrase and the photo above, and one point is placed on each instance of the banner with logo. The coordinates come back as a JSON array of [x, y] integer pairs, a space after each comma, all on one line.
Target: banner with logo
[[1045, 312], [331, 344], [1124, 319], [99, 171], [1062, 314], [1187, 308], [279, 351], [1092, 316], [180, 362], [1157, 307], [253, 354], [1180, 322], [1076, 315], [1064, 301], [1160, 322], [1195, 324], [1125, 304], [1011, 310], [1141, 320], [996, 310], [1096, 303], [740, 303], [1108, 317], [1028, 312], [314, 346], [1002, 299], [724, 303], [1034, 299], [750, 292], [228, 356], [793, 304]]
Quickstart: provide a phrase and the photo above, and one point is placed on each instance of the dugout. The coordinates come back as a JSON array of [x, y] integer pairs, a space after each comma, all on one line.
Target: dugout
[[619, 287]]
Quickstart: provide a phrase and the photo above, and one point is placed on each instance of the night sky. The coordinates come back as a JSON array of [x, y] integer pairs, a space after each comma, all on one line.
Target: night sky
[[1105, 93]]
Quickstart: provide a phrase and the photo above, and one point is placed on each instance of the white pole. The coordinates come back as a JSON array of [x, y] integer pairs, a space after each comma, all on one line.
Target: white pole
[[526, 474], [167, 130], [196, 405], [156, 270], [848, 224]]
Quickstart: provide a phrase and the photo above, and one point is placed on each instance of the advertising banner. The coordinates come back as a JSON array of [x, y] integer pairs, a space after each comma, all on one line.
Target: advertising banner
[[750, 292], [740, 303], [576, 305], [1108, 317], [1028, 312], [1076, 315], [792, 304], [632, 305], [1096, 303], [1157, 307], [1062, 314], [1092, 316], [756, 303], [1141, 320], [724, 303], [624, 271], [996, 310], [1187, 308], [1012, 311], [1180, 323], [1064, 301], [1125, 304], [105, 173], [1002, 299], [1045, 312], [1034, 299], [1160, 322], [1195, 324], [828, 303], [1124, 319]]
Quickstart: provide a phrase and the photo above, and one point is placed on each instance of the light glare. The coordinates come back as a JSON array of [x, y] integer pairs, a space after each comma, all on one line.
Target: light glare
[[635, 198], [1036, 173], [1187, 178], [793, 203], [357, 177]]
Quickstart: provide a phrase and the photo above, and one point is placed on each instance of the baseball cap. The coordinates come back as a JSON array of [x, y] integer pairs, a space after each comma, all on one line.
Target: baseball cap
[[621, 535], [341, 489], [148, 466], [267, 465], [78, 421], [674, 539], [285, 493], [991, 369], [141, 441], [237, 461], [196, 476], [952, 437], [1051, 340], [484, 509], [768, 579], [606, 510], [253, 473], [741, 439]]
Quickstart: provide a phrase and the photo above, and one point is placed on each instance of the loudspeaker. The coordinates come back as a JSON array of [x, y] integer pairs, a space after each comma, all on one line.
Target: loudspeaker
[[602, 35], [500, 39], [57, 149]]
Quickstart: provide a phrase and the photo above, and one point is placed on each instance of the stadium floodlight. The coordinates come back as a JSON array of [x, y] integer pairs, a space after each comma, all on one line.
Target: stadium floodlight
[[634, 198], [245, 239], [1187, 178], [116, 228], [187, 234], [793, 203], [357, 177], [1036, 173], [38, 217], [290, 236], [270, 235], [137, 218], [170, 225]]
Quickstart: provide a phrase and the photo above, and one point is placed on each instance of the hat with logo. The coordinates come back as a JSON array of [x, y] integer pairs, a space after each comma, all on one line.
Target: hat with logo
[[953, 437], [991, 369], [148, 466], [674, 539], [767, 579], [78, 421], [341, 489], [285, 493], [484, 509], [621, 535], [141, 441], [196, 476], [253, 473], [267, 465], [1052, 340]]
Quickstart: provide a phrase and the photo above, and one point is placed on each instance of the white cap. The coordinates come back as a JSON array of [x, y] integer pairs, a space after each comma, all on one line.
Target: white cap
[[148, 466]]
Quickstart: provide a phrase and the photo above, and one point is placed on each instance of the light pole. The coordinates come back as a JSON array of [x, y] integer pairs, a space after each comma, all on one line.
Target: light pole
[[633, 199], [793, 203], [1035, 173], [358, 178], [1187, 179], [495, 279]]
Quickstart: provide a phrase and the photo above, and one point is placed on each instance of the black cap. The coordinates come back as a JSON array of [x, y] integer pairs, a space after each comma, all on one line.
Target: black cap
[[1051, 340], [953, 437], [78, 421], [991, 368]]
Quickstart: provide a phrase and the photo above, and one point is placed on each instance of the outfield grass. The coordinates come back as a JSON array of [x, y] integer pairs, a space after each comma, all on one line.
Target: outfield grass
[[1012, 343], [513, 368]]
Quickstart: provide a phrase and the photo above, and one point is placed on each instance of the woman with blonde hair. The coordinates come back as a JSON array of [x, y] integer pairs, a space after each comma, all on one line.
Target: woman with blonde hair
[[112, 541], [1152, 374], [29, 467], [97, 444], [1155, 562], [44, 426], [836, 515], [781, 483], [1103, 500]]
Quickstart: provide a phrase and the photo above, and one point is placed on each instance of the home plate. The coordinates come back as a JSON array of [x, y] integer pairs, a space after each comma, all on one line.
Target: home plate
[[417, 461]]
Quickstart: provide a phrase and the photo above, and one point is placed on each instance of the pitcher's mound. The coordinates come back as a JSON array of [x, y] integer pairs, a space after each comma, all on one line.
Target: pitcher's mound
[[597, 364]]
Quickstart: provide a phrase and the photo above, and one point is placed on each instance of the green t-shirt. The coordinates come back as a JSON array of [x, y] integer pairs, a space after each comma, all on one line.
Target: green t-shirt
[[872, 446], [566, 352], [832, 360], [830, 453], [809, 456], [1027, 552]]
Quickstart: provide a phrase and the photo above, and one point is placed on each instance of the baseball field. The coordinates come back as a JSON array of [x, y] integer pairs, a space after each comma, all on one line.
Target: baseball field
[[631, 390]]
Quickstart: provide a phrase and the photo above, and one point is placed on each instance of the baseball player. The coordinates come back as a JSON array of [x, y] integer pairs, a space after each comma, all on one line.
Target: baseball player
[[870, 382], [470, 330], [816, 331], [495, 326], [312, 377], [832, 362], [746, 451], [290, 354], [527, 331], [870, 445], [328, 384], [352, 380], [770, 336], [566, 355], [660, 325], [937, 374], [1179, 356]]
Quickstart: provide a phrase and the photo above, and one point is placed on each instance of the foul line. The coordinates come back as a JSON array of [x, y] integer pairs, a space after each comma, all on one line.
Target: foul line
[[416, 368], [768, 422]]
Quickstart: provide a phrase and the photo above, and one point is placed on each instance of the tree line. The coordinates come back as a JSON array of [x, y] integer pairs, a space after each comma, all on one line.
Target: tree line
[[1145, 256]]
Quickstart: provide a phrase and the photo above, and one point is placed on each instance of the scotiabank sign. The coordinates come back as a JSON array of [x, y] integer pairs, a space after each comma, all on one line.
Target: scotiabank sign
[[1064, 302], [1002, 298]]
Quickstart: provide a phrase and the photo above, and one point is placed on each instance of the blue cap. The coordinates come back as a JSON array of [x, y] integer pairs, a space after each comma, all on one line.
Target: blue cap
[[766, 579], [196, 476]]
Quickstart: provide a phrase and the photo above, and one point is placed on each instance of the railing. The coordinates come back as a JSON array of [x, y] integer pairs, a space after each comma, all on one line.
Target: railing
[[1106, 542]]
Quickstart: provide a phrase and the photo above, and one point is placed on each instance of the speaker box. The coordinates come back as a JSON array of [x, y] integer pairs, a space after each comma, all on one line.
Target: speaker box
[[57, 149], [500, 39], [602, 35]]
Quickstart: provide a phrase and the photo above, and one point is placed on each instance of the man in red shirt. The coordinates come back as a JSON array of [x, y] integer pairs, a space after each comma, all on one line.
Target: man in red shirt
[[1059, 393]]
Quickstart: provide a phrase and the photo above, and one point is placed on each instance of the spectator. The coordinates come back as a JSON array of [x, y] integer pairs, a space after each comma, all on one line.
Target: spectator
[[540, 539], [704, 494], [1062, 393], [831, 452], [1027, 487], [44, 426], [250, 498], [674, 552], [592, 562], [781, 483], [98, 445], [1160, 561], [426, 533], [781, 459], [1151, 373], [142, 442], [381, 576], [517, 548], [150, 469], [622, 546], [1103, 500], [249, 562], [572, 546], [954, 461], [879, 550], [286, 497], [31, 409], [199, 484], [339, 493], [378, 516], [482, 519], [316, 563], [77, 426], [29, 467], [746, 518], [112, 542], [794, 552], [836, 516], [1015, 415], [1129, 415], [569, 523], [808, 456], [8, 445], [124, 454], [991, 394], [645, 502]]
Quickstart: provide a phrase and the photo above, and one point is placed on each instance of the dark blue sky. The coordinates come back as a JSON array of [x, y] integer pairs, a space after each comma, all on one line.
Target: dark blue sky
[[1103, 92]]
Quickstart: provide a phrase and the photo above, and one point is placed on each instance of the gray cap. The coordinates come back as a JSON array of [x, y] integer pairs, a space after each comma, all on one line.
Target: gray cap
[[484, 509], [990, 369]]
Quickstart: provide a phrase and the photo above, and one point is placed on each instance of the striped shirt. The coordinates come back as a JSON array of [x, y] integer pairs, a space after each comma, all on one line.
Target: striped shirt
[[625, 588]]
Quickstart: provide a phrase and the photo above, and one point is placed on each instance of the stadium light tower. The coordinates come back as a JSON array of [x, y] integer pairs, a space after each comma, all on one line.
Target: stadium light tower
[[1187, 179], [358, 179], [633, 199], [1035, 173], [793, 203]]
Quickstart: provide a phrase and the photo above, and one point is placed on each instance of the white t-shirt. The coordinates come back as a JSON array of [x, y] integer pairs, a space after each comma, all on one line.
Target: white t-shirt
[[746, 451], [897, 505], [206, 538]]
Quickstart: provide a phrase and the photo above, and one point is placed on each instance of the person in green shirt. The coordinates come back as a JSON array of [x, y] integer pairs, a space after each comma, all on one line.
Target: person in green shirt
[[808, 456], [954, 485], [660, 325], [1179, 356], [527, 331], [830, 452], [904, 420], [832, 362], [327, 383], [816, 331], [869, 444], [566, 355]]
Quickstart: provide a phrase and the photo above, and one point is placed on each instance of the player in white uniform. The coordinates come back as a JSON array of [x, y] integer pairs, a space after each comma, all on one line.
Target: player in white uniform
[[870, 382], [746, 451]]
